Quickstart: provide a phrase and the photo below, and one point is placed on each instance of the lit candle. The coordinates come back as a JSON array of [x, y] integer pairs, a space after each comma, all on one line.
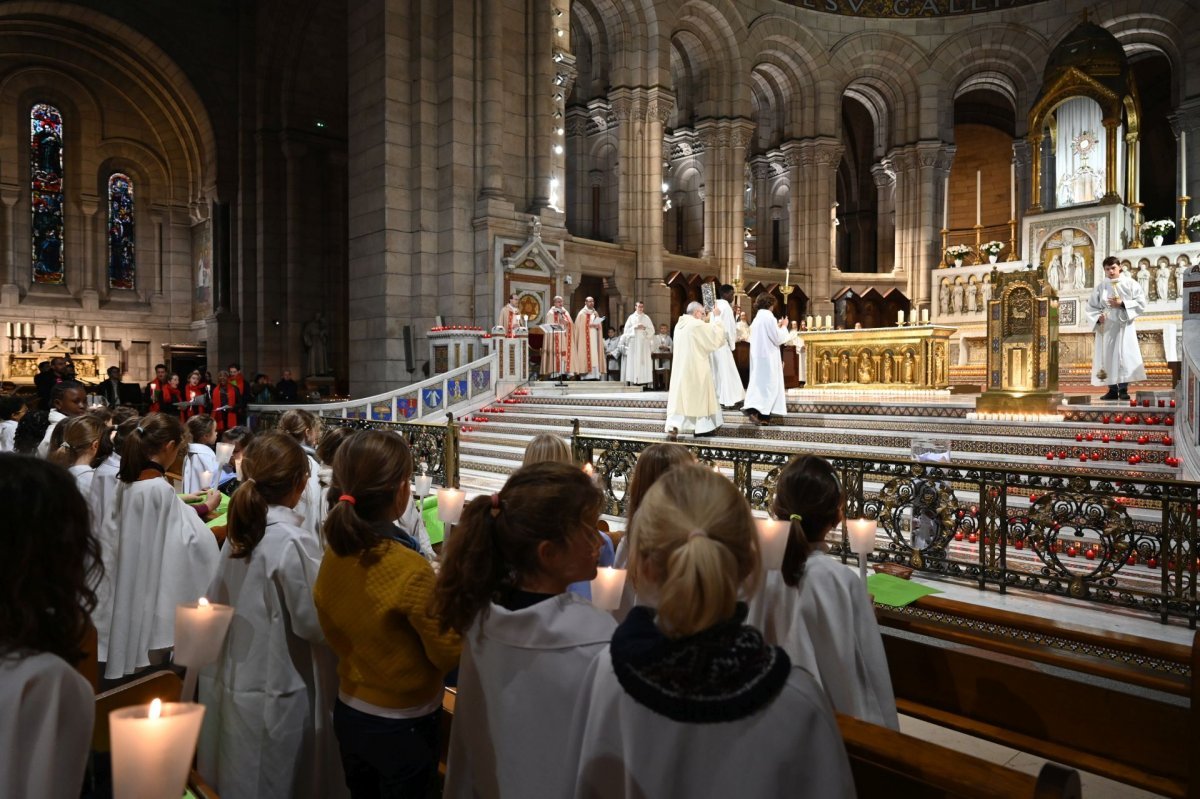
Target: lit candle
[[772, 541], [899, 317], [422, 483], [450, 505], [787, 276], [152, 748], [978, 196], [224, 453], [607, 588], [861, 533], [200, 630]]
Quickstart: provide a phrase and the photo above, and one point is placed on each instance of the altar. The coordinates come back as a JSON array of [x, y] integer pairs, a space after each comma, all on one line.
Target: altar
[[891, 358]]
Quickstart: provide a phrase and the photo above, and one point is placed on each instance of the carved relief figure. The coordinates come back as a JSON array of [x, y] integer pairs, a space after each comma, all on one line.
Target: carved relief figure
[[939, 366], [889, 368], [972, 295], [956, 299], [1143, 279], [826, 367], [844, 368], [866, 374], [944, 297], [908, 372], [1054, 273], [1160, 282], [1077, 266], [1179, 280]]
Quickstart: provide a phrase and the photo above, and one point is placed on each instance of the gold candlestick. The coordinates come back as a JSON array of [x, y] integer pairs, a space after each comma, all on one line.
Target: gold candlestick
[[1182, 238], [1012, 240], [1137, 226], [979, 257]]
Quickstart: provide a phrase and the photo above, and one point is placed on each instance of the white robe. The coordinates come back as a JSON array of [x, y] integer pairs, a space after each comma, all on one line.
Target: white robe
[[83, 475], [163, 556], [518, 681], [102, 502], [725, 374], [268, 723], [635, 366], [313, 505], [792, 747], [43, 449], [199, 459], [1116, 354], [587, 346], [8, 432], [413, 523], [766, 392], [692, 397], [46, 715], [827, 626]]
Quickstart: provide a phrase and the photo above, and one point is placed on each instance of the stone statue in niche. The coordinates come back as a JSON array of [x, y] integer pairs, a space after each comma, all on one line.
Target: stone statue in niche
[[972, 296], [844, 368], [944, 298], [956, 298], [826, 366], [1179, 280], [865, 373], [1160, 283], [316, 345], [1143, 279]]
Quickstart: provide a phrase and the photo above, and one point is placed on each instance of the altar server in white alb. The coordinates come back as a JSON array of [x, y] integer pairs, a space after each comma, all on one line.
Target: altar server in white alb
[[818, 610], [636, 367], [268, 725], [1111, 309], [689, 700], [587, 345], [730, 391], [527, 641], [692, 398], [305, 430], [163, 554], [766, 396], [200, 458]]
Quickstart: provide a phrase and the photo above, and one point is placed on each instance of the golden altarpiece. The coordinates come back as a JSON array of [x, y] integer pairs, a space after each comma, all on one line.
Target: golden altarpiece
[[879, 359], [20, 367], [1022, 336]]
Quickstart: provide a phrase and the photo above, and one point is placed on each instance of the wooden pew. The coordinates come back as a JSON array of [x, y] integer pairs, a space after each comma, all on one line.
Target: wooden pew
[[983, 672], [890, 763]]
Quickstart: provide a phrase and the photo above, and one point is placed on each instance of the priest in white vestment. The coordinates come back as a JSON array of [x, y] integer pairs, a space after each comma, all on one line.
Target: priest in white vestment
[[730, 391], [1111, 309], [588, 359], [765, 395], [638, 336], [692, 398], [510, 316], [556, 346]]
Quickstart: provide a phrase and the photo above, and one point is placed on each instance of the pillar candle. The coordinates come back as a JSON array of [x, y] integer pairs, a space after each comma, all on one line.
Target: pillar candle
[[808, 322], [1183, 161], [84, 334], [200, 629], [224, 453], [1012, 190], [152, 748], [96, 332], [8, 329], [787, 277], [607, 588], [450, 505], [828, 322], [924, 316], [946, 204], [861, 533], [900, 317], [978, 196], [422, 483], [772, 541]]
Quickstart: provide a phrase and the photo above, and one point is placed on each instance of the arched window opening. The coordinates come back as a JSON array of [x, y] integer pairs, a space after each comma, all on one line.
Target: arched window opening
[[46, 193], [122, 266]]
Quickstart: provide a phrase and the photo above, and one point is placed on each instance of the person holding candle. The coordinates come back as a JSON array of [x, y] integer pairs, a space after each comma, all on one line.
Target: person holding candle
[[686, 687], [195, 395], [527, 641], [1111, 309], [816, 609], [200, 459], [158, 552], [239, 437], [80, 442], [226, 402], [766, 395], [305, 429], [373, 595], [268, 730], [49, 562]]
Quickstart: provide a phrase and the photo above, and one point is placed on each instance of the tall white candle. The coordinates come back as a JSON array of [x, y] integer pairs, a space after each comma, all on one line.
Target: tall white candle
[[978, 196], [787, 276], [450, 505], [900, 317], [808, 322], [200, 630], [1012, 190], [8, 329], [224, 453], [206, 479], [1183, 161], [772, 541], [152, 748], [96, 332], [828, 322], [861, 533], [924, 316], [607, 588], [946, 204], [84, 334]]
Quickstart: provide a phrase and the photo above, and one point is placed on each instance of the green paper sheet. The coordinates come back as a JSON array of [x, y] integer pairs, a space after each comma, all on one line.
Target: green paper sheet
[[433, 525], [886, 589]]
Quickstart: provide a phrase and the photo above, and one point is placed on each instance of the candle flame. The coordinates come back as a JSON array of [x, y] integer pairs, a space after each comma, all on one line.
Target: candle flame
[[155, 709], [588, 468], [202, 602]]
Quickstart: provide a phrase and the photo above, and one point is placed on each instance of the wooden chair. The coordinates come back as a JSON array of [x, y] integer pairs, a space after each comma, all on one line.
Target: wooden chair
[[976, 670]]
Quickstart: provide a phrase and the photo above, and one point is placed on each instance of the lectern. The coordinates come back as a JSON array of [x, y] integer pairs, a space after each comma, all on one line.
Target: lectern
[[1022, 332]]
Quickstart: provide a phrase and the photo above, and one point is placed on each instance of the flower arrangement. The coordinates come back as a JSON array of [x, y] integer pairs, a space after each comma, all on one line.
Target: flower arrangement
[[1158, 227], [957, 252], [1193, 225], [991, 247]]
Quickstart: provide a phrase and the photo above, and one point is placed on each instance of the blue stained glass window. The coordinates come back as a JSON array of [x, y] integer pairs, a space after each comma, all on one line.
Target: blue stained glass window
[[46, 192], [122, 267]]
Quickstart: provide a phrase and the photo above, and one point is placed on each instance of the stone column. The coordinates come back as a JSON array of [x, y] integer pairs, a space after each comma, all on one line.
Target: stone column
[[885, 210], [492, 111], [1111, 195], [801, 275], [761, 168], [10, 291], [92, 262], [724, 143], [934, 159], [295, 286], [1021, 155]]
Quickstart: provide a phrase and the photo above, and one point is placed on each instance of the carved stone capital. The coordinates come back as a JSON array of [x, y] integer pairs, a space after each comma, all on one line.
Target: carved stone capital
[[883, 174]]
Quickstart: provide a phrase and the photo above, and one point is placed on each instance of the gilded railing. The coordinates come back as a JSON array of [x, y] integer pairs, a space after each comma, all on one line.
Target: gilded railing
[[436, 446], [1127, 541]]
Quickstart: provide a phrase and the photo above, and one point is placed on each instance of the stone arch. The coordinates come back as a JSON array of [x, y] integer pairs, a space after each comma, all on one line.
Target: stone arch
[[711, 30], [812, 105], [893, 66]]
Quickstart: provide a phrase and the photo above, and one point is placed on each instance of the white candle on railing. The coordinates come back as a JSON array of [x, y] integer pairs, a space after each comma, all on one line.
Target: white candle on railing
[[422, 483], [607, 588], [772, 541], [450, 505], [861, 533], [152, 748], [200, 630]]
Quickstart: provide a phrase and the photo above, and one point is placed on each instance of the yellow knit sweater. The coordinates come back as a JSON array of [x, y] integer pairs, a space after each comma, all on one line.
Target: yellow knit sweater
[[375, 614]]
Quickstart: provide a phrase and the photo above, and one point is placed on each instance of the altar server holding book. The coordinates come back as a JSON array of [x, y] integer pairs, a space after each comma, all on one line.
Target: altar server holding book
[[268, 729], [816, 609], [163, 554], [1111, 309], [689, 700], [527, 641]]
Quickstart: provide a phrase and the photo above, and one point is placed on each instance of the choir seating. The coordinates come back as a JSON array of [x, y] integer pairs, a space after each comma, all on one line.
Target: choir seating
[[1115, 705]]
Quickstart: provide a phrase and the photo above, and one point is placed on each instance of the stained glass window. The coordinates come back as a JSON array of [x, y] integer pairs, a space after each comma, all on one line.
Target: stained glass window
[[46, 195], [121, 264]]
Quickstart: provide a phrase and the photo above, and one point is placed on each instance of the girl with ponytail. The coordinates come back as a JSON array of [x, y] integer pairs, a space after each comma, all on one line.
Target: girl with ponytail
[[267, 732], [373, 595], [685, 677], [305, 429], [200, 458], [80, 441], [527, 641], [156, 551], [816, 609]]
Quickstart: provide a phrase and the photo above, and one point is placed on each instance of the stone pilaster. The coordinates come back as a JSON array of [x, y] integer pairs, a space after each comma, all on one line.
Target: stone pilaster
[[885, 210], [724, 142], [921, 171]]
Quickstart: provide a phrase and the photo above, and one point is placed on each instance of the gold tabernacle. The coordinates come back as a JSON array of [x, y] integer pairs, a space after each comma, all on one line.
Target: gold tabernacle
[[1022, 371]]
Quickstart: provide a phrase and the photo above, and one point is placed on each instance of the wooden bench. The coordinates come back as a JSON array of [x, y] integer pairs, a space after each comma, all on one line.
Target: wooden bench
[[995, 675]]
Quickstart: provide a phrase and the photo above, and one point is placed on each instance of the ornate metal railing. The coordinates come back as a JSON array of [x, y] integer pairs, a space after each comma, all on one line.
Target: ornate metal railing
[[1130, 542], [434, 445]]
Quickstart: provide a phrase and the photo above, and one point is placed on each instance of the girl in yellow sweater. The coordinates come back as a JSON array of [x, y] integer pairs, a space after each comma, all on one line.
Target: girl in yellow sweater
[[373, 597]]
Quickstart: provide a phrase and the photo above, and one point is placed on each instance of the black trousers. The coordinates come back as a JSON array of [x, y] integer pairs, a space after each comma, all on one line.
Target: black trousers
[[387, 758]]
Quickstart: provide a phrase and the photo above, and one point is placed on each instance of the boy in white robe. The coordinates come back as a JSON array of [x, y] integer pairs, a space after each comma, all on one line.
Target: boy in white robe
[[636, 367], [766, 395], [730, 391], [1110, 310]]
